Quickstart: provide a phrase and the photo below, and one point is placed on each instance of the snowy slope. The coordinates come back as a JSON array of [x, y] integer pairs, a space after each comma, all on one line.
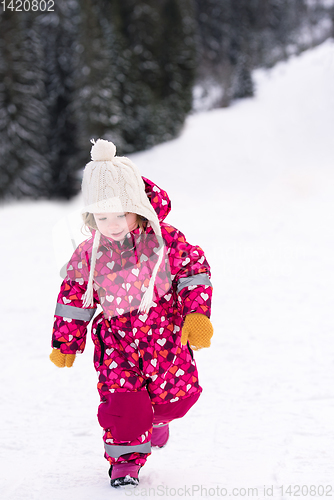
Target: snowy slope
[[253, 185]]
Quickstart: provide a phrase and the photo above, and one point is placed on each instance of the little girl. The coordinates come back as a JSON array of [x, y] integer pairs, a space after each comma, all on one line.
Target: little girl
[[155, 292]]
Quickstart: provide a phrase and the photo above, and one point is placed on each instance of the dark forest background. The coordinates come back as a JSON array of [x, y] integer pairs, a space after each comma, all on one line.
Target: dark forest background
[[127, 71]]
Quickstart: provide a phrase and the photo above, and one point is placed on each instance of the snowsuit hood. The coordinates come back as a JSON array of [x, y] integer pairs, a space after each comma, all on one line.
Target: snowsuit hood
[[159, 199]]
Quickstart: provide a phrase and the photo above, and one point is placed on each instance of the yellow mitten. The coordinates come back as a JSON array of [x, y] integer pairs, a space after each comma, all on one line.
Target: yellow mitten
[[197, 330], [61, 360]]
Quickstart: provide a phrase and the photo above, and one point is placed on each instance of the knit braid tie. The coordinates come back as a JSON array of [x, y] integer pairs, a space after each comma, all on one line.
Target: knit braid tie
[[88, 298]]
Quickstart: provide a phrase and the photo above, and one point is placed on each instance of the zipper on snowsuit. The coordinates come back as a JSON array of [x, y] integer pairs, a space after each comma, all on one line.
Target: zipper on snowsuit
[[98, 334], [190, 350], [141, 364]]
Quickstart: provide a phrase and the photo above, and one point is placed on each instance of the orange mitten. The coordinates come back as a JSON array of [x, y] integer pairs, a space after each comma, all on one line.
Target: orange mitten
[[197, 330], [61, 360]]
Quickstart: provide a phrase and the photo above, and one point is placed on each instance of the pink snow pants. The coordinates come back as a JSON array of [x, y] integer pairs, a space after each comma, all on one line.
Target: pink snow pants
[[140, 384]]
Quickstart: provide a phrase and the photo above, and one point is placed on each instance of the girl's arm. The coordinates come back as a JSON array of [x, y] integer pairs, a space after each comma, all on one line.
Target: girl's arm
[[71, 318], [190, 273]]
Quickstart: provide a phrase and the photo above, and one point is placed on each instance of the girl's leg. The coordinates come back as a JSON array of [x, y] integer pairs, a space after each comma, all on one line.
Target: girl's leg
[[127, 421], [168, 411], [176, 390], [164, 413], [125, 412]]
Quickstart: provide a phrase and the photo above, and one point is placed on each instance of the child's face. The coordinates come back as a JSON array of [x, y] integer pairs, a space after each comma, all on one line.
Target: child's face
[[116, 225]]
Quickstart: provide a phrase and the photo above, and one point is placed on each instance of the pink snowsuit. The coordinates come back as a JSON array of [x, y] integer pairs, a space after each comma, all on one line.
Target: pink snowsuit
[[145, 375]]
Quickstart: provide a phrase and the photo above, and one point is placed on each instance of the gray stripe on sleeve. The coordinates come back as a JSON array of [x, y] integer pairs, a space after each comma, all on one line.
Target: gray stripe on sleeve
[[196, 279], [116, 451], [74, 312]]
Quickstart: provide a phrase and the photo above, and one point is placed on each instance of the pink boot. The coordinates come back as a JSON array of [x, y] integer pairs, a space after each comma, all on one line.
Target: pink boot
[[160, 435], [124, 475]]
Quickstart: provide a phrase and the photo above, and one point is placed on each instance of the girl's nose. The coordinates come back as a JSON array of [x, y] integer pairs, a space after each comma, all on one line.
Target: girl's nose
[[114, 223]]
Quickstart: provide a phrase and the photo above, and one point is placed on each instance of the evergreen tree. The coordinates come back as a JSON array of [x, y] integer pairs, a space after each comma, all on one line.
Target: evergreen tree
[[137, 25], [225, 46], [59, 34], [157, 62], [178, 63], [24, 169], [241, 20], [96, 106]]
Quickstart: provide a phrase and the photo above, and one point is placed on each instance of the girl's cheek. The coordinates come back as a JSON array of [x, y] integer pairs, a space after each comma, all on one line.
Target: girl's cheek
[[132, 223]]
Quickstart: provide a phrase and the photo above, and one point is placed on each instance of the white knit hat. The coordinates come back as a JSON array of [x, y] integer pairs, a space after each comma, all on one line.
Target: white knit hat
[[113, 184]]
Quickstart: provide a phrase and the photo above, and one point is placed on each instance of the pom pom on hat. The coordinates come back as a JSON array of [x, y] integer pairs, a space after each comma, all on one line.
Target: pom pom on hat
[[103, 150]]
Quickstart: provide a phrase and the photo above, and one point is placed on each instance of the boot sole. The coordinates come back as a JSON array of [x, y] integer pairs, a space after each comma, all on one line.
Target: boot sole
[[126, 482]]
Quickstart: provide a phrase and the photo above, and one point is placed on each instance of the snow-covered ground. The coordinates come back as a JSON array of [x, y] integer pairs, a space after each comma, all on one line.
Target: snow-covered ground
[[253, 185]]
